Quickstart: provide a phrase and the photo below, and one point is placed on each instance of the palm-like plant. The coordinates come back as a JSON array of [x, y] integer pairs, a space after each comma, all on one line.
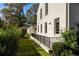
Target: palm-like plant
[[7, 12], [14, 12], [32, 14], [17, 6]]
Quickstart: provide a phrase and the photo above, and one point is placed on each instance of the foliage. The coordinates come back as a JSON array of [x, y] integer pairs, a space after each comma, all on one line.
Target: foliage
[[33, 20], [57, 48], [1, 23], [60, 49], [14, 13], [27, 36], [8, 40], [31, 14], [70, 38], [67, 53], [23, 31], [18, 7]]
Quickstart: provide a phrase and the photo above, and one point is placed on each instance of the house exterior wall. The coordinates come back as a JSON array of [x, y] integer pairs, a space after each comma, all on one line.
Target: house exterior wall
[[68, 14], [55, 10]]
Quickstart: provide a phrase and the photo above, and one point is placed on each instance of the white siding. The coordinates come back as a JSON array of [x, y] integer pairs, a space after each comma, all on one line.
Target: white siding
[[55, 10]]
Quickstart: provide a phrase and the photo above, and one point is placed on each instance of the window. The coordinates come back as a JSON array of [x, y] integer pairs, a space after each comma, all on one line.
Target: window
[[38, 28], [46, 8], [56, 25], [41, 13], [41, 28], [45, 27]]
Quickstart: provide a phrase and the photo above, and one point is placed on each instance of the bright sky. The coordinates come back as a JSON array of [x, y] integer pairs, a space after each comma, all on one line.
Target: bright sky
[[26, 7], [1, 7]]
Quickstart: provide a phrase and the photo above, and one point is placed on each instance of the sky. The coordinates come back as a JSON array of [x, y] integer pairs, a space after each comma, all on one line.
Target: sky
[[26, 7], [1, 7]]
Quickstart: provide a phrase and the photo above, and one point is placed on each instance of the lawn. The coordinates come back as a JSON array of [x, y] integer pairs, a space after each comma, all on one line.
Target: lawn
[[28, 47]]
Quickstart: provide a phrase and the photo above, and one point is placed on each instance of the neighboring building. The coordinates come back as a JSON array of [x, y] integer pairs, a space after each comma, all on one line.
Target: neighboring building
[[52, 20]]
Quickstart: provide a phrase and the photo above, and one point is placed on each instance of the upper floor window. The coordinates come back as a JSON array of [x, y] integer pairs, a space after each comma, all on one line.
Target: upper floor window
[[41, 13], [41, 28], [45, 28], [56, 25], [46, 8]]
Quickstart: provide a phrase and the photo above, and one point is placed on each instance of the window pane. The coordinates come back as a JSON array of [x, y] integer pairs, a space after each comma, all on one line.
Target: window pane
[[41, 28], [40, 13], [38, 28], [46, 8], [56, 25], [45, 27]]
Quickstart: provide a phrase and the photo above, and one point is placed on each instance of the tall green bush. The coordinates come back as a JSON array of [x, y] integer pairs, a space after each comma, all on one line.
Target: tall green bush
[[70, 46], [27, 36], [70, 38], [8, 40], [67, 53], [57, 48]]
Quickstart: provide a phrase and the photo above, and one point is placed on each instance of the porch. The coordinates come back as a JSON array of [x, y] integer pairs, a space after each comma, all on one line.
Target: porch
[[45, 42]]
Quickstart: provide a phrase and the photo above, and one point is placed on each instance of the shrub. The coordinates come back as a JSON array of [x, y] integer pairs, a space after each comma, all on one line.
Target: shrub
[[57, 48], [23, 31], [67, 53], [70, 38], [27, 36], [8, 40]]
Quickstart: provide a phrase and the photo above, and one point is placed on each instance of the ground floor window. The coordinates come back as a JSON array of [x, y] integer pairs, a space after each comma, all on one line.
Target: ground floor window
[[45, 28], [41, 28], [56, 26], [38, 28]]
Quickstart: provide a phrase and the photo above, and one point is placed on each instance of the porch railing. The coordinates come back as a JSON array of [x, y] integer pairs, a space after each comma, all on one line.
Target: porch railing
[[43, 39], [47, 41]]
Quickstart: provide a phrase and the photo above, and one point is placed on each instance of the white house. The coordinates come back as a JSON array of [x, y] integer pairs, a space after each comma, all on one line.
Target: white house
[[52, 19]]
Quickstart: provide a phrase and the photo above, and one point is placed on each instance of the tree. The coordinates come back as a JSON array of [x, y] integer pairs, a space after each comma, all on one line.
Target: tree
[[32, 14], [1, 23], [14, 13], [8, 14]]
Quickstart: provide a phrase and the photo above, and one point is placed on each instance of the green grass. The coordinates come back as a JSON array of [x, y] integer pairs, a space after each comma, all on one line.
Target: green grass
[[28, 47]]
